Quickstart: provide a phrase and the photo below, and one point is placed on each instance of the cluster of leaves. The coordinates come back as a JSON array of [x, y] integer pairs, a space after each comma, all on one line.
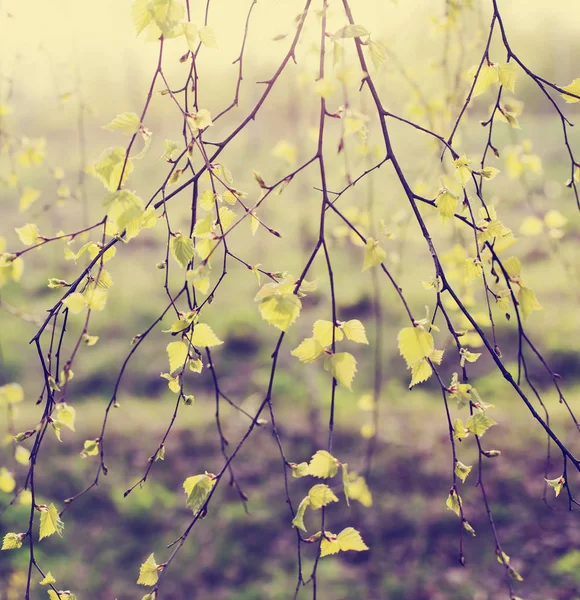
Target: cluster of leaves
[[476, 265]]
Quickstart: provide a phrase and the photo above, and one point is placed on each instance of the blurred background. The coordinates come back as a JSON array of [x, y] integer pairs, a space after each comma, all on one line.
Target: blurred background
[[67, 69]]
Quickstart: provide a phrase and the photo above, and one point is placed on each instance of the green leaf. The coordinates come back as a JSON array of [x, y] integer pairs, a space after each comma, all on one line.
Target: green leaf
[[489, 173], [415, 343], [65, 415], [478, 423], [182, 323], [378, 53], [75, 302], [355, 331], [350, 31], [513, 267], [359, 490], [459, 431], [528, 302], [487, 76], [50, 522], [320, 495], [7, 481], [461, 470], [573, 88], [322, 332], [453, 502], [177, 353], [557, 484], [446, 203], [28, 234], [127, 123], [28, 197], [126, 209], [207, 37], [281, 310], [308, 350], [463, 172], [374, 254], [299, 470], [347, 539], [48, 579], [141, 15], [298, 520], [182, 249], [342, 366], [468, 527], [203, 335], [90, 448], [190, 33], [11, 393], [12, 541], [199, 120], [322, 465], [110, 166], [197, 489], [420, 371], [148, 572], [507, 75]]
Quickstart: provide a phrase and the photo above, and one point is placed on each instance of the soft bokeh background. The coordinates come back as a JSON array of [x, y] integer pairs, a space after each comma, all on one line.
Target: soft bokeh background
[[70, 62]]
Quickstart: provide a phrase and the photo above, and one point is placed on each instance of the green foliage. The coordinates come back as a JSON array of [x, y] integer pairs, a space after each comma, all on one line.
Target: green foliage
[[444, 218]]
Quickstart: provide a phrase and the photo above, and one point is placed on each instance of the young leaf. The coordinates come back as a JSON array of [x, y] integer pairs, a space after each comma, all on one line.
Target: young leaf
[[75, 302], [148, 572], [48, 579], [127, 123], [342, 366], [12, 541], [355, 331], [459, 431], [29, 196], [280, 310], [479, 423], [177, 353], [461, 470], [420, 371], [182, 249], [7, 481], [573, 88], [358, 490], [298, 520], [308, 350], [207, 37], [110, 166], [350, 539], [190, 33], [197, 489], [320, 495], [347, 539], [507, 75], [415, 343], [299, 470], [50, 522], [28, 234], [65, 415], [487, 76], [453, 502], [557, 484], [322, 332], [528, 302], [322, 465], [204, 336], [446, 203], [374, 254]]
